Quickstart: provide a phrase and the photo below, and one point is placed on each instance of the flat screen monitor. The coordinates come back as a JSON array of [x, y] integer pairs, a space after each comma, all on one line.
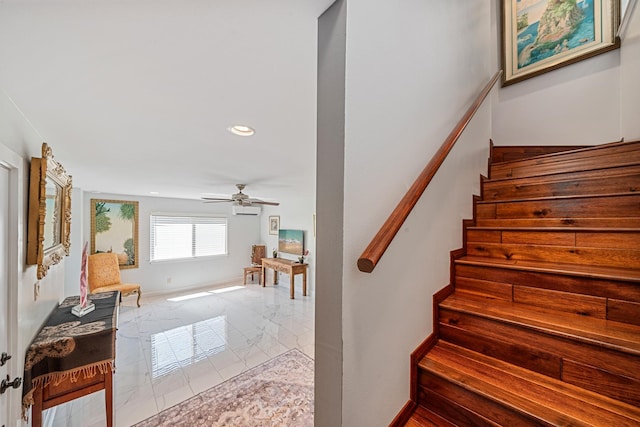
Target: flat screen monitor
[[291, 242]]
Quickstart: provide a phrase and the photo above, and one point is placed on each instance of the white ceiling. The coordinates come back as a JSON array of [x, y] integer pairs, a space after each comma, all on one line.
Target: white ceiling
[[136, 96]]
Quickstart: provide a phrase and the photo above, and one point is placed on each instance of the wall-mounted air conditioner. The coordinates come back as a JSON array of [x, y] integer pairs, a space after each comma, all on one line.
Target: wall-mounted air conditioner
[[246, 210]]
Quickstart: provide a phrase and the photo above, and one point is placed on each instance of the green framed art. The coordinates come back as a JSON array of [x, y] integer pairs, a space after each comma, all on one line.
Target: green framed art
[[114, 228]]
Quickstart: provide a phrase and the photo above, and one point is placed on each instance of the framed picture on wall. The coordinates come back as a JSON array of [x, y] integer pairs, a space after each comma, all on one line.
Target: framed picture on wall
[[114, 228], [539, 36], [274, 224]]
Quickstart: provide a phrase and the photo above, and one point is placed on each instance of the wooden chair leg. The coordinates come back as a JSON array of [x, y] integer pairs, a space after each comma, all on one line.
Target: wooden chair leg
[[139, 295]]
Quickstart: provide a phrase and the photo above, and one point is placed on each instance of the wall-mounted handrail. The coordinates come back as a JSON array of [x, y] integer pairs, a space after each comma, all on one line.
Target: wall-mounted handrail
[[379, 244]]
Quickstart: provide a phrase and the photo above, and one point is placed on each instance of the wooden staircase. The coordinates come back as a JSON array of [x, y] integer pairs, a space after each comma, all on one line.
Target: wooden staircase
[[541, 323]]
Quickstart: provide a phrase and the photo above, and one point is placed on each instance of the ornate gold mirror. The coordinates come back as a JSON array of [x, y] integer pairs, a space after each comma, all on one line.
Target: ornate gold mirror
[[49, 227]]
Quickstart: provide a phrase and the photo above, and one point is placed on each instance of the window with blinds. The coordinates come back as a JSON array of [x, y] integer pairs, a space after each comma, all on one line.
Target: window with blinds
[[180, 237]]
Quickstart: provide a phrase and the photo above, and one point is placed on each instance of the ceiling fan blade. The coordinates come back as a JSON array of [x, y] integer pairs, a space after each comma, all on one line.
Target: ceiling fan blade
[[215, 199], [262, 202]]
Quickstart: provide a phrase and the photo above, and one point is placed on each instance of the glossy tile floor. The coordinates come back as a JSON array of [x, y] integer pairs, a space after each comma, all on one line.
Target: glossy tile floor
[[178, 345]]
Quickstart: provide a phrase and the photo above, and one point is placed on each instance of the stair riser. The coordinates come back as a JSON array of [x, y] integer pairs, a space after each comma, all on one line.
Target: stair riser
[[535, 359], [501, 277], [545, 354], [601, 381], [622, 156], [627, 206], [592, 183], [466, 408], [577, 238], [563, 155], [624, 258], [584, 305], [623, 311], [566, 223], [510, 153]]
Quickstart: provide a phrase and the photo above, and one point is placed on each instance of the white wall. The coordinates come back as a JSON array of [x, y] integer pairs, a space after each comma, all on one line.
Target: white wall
[[18, 136], [162, 277], [629, 81], [413, 68], [591, 102]]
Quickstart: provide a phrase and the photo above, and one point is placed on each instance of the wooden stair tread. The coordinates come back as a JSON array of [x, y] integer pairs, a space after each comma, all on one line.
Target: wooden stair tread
[[503, 153], [538, 396], [566, 153], [600, 272], [597, 151], [569, 197], [423, 417], [536, 167], [617, 336], [609, 180], [602, 171]]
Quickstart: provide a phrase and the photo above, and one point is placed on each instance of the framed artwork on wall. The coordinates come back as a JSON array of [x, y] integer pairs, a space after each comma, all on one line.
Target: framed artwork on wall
[[114, 228], [274, 224], [539, 36]]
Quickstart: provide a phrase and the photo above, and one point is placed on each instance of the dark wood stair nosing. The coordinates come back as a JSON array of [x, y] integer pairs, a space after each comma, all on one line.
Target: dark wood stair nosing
[[576, 270]]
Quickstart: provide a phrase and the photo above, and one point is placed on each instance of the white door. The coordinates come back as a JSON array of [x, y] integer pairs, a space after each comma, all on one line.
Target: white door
[[4, 289], [10, 253]]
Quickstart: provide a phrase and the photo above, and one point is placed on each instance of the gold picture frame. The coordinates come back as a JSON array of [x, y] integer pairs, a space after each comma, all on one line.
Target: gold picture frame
[[539, 36], [114, 228], [49, 217], [274, 224]]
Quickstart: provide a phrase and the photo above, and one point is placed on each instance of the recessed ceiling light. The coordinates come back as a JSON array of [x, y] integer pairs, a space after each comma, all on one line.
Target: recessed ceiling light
[[242, 130], [154, 193]]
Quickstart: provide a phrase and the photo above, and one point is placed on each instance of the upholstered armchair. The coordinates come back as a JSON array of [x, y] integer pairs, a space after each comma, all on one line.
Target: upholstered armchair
[[104, 276], [257, 253]]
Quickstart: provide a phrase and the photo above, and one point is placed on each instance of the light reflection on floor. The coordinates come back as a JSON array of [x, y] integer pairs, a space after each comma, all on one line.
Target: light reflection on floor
[[187, 344], [204, 294]]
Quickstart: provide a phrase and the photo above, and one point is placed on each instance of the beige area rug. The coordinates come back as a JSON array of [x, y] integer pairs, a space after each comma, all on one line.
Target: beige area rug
[[277, 393]]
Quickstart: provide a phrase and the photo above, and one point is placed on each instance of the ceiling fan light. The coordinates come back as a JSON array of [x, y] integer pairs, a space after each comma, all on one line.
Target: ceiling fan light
[[242, 130]]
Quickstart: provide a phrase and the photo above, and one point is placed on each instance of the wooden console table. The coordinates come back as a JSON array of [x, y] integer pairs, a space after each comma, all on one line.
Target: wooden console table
[[279, 265], [72, 356]]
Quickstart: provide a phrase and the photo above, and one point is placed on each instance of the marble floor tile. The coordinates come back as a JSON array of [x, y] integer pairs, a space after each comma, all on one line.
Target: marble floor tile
[[180, 344]]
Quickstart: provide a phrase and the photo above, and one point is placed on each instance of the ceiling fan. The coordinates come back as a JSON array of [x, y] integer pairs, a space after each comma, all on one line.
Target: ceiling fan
[[240, 199]]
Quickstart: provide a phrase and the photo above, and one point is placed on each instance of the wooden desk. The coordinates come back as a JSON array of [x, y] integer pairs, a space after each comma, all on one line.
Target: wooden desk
[[279, 265], [72, 356]]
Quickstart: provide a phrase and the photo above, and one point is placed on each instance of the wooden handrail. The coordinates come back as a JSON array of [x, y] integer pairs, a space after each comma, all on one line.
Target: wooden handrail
[[372, 254]]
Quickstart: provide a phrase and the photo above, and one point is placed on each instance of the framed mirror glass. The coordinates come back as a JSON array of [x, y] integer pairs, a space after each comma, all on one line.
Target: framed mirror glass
[[48, 231], [53, 208]]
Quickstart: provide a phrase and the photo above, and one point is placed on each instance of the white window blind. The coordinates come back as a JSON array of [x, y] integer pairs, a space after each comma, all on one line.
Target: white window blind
[[179, 237]]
